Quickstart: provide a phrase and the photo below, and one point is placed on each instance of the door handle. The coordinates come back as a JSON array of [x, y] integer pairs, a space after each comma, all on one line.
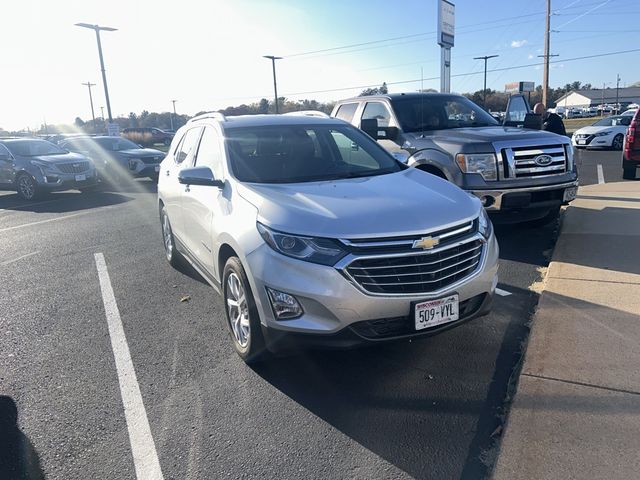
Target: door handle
[[168, 173], [186, 189]]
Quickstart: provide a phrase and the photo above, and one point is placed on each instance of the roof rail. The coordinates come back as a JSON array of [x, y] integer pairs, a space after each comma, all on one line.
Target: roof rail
[[217, 115], [308, 113]]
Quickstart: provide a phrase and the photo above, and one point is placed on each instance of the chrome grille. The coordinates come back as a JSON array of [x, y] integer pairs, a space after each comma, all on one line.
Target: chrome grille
[[76, 167], [151, 160], [526, 162], [417, 273]]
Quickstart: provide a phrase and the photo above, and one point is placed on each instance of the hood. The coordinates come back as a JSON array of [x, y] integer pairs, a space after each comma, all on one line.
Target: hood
[[408, 202], [592, 129], [476, 138], [64, 158], [142, 152]]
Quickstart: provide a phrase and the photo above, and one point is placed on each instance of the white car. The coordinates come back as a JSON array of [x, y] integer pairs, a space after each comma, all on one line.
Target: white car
[[606, 132]]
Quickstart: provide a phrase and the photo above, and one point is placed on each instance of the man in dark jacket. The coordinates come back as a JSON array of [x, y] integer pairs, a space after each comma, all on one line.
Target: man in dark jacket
[[551, 122]]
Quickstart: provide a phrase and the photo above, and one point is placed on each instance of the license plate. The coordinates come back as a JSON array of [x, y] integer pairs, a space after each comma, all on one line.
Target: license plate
[[436, 312], [157, 168], [582, 142], [81, 178], [569, 194]]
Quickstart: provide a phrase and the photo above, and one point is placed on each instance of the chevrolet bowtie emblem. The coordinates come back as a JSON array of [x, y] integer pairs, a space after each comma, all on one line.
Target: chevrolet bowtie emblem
[[426, 243]]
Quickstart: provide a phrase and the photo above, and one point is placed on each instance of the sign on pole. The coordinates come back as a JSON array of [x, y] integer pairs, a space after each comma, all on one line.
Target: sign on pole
[[113, 129], [446, 23], [520, 87], [446, 34]]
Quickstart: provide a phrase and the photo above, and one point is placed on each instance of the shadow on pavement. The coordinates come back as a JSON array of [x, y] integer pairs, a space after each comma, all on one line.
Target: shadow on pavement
[[18, 459], [425, 410], [516, 240], [63, 202]]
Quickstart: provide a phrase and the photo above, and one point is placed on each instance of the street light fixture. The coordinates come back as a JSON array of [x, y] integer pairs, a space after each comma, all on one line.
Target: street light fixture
[[97, 29], [484, 90], [275, 85]]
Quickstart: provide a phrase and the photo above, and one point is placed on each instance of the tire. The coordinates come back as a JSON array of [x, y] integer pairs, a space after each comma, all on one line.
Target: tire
[[551, 216], [618, 142], [242, 318], [629, 173], [27, 187], [170, 251]]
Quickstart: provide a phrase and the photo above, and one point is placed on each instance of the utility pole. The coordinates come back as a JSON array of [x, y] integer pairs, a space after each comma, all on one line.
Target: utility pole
[[174, 114], [275, 85], [547, 33], [484, 90], [617, 90], [98, 29], [93, 116]]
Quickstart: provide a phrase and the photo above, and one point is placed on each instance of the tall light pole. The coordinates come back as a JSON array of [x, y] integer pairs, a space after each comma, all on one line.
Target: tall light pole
[[484, 90], [97, 29], [275, 85], [93, 116], [174, 113]]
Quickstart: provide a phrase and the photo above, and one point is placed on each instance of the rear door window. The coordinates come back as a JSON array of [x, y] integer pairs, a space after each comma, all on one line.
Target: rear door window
[[347, 111]]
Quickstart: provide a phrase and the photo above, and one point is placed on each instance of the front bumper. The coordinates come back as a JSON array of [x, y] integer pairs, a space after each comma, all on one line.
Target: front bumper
[[336, 311], [140, 168], [64, 181], [540, 197], [592, 141]]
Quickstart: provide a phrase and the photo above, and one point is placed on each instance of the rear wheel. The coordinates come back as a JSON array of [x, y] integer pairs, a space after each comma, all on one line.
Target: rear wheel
[[27, 187], [629, 173], [618, 141], [243, 320], [171, 253]]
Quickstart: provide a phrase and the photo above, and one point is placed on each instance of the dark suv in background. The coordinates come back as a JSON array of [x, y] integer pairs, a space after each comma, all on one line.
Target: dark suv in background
[[148, 136]]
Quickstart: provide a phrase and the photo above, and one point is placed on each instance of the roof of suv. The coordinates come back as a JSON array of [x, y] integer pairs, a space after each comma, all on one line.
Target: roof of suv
[[395, 96], [267, 120]]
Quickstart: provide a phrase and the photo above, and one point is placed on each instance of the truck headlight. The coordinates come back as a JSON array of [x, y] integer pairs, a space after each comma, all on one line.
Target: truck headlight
[[485, 227], [482, 163], [316, 250]]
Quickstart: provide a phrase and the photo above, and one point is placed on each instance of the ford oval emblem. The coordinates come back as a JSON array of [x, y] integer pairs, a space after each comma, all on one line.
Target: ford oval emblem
[[543, 160]]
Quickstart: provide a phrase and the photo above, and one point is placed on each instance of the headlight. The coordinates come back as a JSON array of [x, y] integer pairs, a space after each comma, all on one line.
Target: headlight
[[317, 250], [484, 224], [483, 163], [604, 134], [43, 167]]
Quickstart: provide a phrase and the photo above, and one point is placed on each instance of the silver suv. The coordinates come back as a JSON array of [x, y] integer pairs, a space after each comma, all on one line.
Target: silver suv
[[315, 235]]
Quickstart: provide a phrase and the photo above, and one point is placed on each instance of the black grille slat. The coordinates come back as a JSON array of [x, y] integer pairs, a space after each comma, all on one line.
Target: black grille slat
[[77, 167], [423, 273]]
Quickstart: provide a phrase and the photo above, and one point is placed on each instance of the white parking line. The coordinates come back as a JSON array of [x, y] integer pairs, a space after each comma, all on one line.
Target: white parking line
[[145, 457], [600, 174], [18, 258], [502, 293]]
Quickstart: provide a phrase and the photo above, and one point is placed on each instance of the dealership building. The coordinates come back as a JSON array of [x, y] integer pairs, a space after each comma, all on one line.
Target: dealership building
[[595, 97]]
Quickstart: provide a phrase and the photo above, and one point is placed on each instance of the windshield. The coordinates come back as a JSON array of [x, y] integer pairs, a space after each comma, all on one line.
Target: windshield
[[116, 144], [294, 153], [33, 148], [439, 112], [613, 121]]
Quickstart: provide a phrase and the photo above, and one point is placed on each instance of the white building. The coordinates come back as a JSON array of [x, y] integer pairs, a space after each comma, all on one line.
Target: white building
[[595, 97]]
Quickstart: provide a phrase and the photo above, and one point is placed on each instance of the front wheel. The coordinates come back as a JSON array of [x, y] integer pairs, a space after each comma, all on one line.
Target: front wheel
[[618, 142], [27, 187], [629, 173], [243, 320]]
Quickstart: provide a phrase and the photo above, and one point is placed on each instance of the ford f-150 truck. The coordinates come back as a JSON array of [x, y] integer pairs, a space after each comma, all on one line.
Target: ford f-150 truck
[[519, 174]]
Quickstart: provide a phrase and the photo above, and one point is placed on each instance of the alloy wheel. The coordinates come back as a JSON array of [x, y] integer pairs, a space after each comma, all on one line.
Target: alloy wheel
[[26, 187], [618, 140], [238, 310], [168, 240]]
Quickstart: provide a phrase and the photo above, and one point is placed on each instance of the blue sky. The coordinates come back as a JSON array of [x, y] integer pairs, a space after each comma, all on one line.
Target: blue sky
[[207, 55]]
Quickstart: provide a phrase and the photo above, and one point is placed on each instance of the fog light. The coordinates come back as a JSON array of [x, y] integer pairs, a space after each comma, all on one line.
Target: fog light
[[285, 306]]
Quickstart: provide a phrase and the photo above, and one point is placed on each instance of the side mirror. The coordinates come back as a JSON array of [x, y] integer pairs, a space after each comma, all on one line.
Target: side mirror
[[370, 127], [199, 176], [387, 133]]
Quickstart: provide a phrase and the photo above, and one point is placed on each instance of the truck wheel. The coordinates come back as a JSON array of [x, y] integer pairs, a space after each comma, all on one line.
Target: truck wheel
[[629, 173], [551, 216]]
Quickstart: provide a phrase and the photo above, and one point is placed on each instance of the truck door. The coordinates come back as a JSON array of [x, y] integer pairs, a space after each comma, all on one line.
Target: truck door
[[517, 110], [381, 112]]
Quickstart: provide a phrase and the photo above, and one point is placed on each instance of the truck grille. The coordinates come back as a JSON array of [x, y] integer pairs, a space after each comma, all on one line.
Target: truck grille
[[417, 273], [76, 167], [527, 162]]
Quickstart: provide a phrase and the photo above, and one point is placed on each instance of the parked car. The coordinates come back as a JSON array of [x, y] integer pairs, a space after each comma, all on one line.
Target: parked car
[[115, 156], [606, 132], [32, 167], [630, 112], [315, 235], [520, 175], [631, 151], [148, 136]]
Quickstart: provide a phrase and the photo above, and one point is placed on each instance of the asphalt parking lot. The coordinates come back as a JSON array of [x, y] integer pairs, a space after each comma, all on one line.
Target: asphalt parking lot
[[424, 409]]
